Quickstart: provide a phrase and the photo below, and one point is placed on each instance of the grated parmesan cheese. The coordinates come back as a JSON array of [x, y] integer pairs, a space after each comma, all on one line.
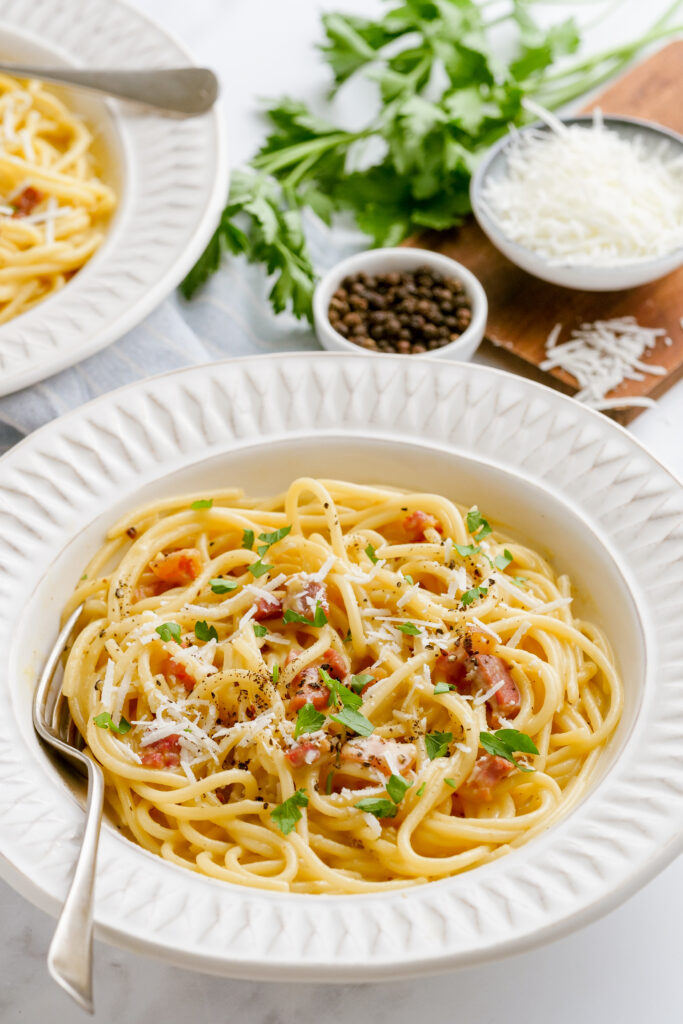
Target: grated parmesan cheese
[[581, 196], [601, 355]]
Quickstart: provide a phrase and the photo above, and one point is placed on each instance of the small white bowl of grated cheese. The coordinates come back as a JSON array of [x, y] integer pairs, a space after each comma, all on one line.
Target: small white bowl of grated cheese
[[585, 202]]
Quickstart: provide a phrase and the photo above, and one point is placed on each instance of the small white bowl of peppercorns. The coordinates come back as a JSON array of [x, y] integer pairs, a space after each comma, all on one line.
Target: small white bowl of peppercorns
[[400, 300]]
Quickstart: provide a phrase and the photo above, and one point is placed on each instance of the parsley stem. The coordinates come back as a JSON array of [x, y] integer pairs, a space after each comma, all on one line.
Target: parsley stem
[[626, 50], [272, 163]]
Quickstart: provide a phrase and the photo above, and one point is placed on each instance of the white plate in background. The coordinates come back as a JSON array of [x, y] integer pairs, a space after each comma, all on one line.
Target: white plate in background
[[170, 176]]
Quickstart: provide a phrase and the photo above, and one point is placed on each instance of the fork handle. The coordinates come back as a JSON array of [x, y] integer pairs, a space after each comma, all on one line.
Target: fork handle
[[69, 959]]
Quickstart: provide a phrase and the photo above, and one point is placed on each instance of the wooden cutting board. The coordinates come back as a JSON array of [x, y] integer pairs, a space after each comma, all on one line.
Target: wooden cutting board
[[523, 310]]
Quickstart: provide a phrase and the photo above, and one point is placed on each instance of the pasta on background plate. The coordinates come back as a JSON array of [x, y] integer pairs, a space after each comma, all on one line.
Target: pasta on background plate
[[340, 689], [53, 205]]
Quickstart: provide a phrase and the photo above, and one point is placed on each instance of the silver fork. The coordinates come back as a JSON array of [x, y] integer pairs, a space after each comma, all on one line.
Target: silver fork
[[69, 958]]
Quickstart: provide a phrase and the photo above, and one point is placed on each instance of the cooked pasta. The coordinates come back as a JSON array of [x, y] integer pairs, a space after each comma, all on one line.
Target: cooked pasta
[[53, 206], [336, 690]]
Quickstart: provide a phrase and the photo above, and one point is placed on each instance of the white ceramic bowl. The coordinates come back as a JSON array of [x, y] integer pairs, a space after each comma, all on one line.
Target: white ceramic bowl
[[170, 176], [583, 277], [377, 261], [555, 474]]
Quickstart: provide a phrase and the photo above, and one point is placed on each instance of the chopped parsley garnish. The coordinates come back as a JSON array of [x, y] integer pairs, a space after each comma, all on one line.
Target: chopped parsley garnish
[[275, 536], [259, 568], [519, 580], [105, 721], [84, 576], [248, 539], [202, 503], [353, 720], [504, 742], [408, 627], [340, 694], [328, 782], [347, 638], [308, 720], [203, 631], [443, 688], [502, 561], [260, 630], [397, 788], [451, 782], [379, 807], [220, 586], [477, 525], [437, 744], [466, 549], [276, 673], [421, 790], [370, 552], [472, 595], [409, 579], [359, 682], [169, 631], [319, 619], [286, 814]]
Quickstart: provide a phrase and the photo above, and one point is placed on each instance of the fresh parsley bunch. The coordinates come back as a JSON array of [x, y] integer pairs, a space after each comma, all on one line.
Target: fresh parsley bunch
[[445, 97]]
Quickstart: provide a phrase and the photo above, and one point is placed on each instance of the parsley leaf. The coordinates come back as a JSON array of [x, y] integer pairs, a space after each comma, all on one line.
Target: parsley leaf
[[519, 580], [359, 682], [276, 674], [260, 630], [169, 631], [377, 806], [203, 631], [397, 788], [504, 742], [466, 549], [443, 688], [409, 628], [308, 720], [370, 552], [202, 503], [407, 578], [340, 694], [328, 782], [451, 783], [220, 586], [472, 595], [272, 538], [353, 720], [502, 561], [477, 525], [319, 619], [437, 744], [286, 814], [421, 790], [248, 539], [105, 721], [259, 568]]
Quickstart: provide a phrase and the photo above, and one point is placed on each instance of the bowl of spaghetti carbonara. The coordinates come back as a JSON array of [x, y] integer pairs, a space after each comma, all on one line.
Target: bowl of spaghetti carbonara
[[382, 666], [336, 689]]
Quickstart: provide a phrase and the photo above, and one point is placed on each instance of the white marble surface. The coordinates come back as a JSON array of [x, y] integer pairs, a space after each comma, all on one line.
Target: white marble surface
[[623, 968]]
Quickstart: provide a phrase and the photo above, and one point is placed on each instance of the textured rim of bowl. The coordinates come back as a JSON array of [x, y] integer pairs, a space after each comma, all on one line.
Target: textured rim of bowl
[[528, 260], [463, 348]]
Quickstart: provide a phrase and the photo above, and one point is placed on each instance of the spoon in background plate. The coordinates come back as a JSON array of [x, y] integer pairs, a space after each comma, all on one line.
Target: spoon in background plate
[[69, 959], [185, 92]]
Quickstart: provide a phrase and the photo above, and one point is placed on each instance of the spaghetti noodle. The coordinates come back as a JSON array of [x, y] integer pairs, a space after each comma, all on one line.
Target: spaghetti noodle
[[53, 206], [340, 689]]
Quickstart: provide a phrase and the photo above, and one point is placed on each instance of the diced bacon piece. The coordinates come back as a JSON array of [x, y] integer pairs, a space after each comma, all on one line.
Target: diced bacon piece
[[26, 201], [178, 567], [417, 522], [303, 596], [171, 667], [454, 668], [389, 756], [310, 690], [494, 670], [163, 753], [267, 608], [307, 751], [151, 589], [487, 772], [333, 662]]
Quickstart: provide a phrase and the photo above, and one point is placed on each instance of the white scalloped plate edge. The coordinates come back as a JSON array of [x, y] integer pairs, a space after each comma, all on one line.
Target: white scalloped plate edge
[[628, 828]]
